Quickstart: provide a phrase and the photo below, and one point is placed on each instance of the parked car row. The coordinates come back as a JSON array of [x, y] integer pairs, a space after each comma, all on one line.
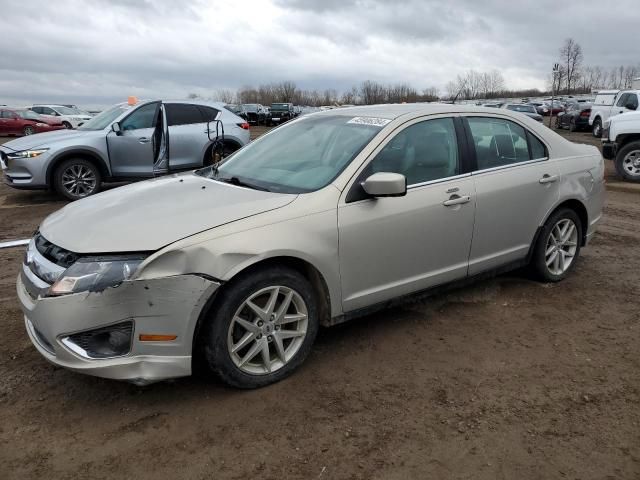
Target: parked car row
[[18, 122], [609, 103], [257, 114]]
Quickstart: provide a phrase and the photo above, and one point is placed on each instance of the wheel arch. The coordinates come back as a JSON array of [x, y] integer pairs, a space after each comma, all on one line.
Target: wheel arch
[[580, 209], [85, 154], [623, 139], [304, 267]]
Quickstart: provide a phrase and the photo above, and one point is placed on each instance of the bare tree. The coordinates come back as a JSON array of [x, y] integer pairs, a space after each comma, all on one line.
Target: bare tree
[[571, 56], [224, 95]]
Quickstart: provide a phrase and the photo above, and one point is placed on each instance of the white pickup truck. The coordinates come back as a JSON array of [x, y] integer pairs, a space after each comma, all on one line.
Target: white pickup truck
[[621, 143], [609, 103]]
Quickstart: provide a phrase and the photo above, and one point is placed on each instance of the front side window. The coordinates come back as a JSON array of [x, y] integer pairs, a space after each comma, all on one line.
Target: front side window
[[498, 142], [182, 114], [300, 157], [422, 152], [622, 100], [143, 117], [632, 101]]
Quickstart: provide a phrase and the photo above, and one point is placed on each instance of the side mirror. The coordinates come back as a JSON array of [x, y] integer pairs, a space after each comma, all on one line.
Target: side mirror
[[115, 126], [631, 106], [385, 184]]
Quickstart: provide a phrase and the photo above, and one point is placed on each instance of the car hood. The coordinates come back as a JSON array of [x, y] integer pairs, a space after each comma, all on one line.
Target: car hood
[[47, 138], [149, 215]]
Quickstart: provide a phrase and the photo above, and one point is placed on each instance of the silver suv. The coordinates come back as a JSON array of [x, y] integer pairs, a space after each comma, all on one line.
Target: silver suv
[[328, 217], [125, 142]]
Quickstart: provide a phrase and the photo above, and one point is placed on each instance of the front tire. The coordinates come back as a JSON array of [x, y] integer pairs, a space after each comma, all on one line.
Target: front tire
[[628, 162], [67, 125], [76, 178], [558, 246], [572, 126], [597, 128], [28, 130], [261, 328]]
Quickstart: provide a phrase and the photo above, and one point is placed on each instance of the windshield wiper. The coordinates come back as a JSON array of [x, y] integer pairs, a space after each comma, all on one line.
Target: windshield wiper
[[240, 183]]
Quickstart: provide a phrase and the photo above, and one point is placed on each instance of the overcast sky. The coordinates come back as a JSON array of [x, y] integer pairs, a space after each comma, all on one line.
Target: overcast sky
[[96, 52]]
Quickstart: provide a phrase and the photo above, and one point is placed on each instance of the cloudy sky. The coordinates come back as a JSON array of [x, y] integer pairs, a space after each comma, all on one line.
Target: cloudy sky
[[96, 52]]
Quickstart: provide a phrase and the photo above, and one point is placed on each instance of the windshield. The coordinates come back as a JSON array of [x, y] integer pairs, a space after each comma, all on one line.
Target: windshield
[[29, 115], [522, 108], [300, 157], [105, 118], [64, 110], [278, 107], [251, 107]]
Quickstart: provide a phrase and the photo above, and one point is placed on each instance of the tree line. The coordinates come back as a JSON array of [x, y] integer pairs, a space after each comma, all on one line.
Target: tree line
[[369, 92]]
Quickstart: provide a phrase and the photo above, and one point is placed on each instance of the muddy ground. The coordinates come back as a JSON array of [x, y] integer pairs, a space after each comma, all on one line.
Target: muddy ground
[[507, 379]]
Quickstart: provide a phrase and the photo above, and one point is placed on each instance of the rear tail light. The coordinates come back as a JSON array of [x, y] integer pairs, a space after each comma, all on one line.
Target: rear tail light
[[244, 126], [585, 113]]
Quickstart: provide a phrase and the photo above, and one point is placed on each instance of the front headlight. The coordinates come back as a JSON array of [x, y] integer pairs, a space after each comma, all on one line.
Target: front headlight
[[26, 153], [94, 274]]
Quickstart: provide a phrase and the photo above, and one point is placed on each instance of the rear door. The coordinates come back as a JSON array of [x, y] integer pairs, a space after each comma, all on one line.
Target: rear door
[[131, 153], [516, 185], [4, 122], [188, 138]]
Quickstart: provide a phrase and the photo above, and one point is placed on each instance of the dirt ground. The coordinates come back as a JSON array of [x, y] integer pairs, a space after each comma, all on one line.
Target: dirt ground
[[507, 379]]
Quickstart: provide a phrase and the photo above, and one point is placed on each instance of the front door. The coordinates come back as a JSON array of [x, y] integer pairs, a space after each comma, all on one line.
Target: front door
[[395, 246], [516, 186], [131, 152]]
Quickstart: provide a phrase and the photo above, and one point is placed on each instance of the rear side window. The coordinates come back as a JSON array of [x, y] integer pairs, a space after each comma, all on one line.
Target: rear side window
[[5, 114], [37, 109], [499, 142], [209, 114], [182, 114], [537, 148]]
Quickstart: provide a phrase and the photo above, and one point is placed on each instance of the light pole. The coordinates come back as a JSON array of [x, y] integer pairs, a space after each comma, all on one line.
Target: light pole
[[554, 74]]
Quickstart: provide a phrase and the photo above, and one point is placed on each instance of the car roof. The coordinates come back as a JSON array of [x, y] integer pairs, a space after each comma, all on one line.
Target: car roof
[[393, 111]]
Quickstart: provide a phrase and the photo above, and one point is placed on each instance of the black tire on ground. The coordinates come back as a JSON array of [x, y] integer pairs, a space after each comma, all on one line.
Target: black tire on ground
[[28, 130], [596, 130], [558, 123], [625, 173], [67, 125], [572, 126], [86, 170], [539, 259], [215, 329]]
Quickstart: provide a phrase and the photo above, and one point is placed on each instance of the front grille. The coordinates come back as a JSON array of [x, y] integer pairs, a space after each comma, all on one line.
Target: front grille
[[53, 253]]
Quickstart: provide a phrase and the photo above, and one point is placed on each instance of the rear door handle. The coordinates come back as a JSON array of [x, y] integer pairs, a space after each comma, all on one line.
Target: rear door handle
[[456, 200], [546, 178], [144, 140]]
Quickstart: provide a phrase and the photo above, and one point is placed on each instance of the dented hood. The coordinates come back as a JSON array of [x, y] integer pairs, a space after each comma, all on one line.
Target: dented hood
[[149, 215]]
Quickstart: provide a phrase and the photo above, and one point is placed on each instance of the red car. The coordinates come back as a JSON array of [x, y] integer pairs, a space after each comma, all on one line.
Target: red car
[[14, 121]]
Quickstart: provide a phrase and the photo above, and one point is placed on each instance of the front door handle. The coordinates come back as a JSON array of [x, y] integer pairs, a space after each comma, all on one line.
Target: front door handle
[[546, 178], [456, 200], [144, 140]]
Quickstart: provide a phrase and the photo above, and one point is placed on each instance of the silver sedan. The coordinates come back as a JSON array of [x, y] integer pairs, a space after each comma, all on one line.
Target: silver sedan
[[330, 216]]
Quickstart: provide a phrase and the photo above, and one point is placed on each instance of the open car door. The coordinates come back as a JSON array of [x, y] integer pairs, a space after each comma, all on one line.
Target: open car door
[[161, 159]]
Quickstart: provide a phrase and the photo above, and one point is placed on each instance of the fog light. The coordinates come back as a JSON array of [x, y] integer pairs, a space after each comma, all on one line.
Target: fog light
[[105, 342]]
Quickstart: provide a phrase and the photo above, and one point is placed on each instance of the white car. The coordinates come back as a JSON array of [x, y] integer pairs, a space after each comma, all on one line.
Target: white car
[[609, 103], [70, 117]]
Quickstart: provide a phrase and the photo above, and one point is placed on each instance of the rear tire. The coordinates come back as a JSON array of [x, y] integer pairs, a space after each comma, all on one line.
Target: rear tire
[[628, 162], [235, 336], [597, 128], [572, 126], [558, 246], [77, 178]]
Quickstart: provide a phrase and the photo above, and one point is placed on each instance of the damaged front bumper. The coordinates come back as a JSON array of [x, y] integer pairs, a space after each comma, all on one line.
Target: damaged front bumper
[[168, 306]]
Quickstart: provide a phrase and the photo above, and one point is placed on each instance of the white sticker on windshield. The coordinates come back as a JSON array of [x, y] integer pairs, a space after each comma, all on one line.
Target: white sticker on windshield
[[376, 122]]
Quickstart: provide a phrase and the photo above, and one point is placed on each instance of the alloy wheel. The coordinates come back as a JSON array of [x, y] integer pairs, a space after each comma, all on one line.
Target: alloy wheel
[[561, 247], [79, 180], [631, 163], [28, 131], [267, 330]]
